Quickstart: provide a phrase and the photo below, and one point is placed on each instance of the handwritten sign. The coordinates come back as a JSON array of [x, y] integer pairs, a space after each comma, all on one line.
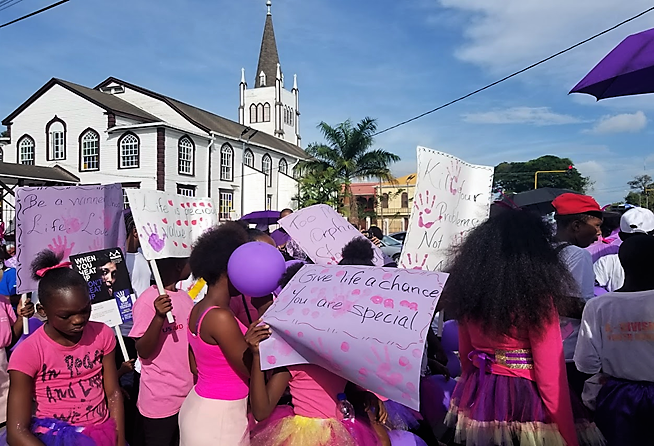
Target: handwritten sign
[[323, 233], [110, 288], [69, 220], [366, 324], [451, 198], [168, 224]]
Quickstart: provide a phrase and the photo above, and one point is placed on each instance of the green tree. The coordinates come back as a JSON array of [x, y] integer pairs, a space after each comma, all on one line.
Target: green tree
[[641, 191], [348, 152], [515, 177], [319, 186], [4, 134]]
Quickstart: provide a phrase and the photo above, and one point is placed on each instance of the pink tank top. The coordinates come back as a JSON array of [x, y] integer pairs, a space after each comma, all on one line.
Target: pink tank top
[[314, 391], [217, 379]]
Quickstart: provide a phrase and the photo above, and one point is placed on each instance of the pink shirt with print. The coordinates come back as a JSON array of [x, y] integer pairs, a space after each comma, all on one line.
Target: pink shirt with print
[[166, 377], [7, 320], [68, 382]]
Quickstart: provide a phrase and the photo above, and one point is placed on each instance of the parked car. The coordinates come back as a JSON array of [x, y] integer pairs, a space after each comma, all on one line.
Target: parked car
[[391, 247], [399, 236]]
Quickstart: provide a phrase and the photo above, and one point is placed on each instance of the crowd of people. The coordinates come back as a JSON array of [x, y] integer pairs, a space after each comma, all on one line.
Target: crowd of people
[[554, 346]]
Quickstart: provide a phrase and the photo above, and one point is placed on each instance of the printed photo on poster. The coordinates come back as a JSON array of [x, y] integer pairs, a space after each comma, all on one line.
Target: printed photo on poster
[[110, 288]]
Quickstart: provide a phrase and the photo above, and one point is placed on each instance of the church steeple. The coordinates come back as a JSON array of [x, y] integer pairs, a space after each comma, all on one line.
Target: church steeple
[[268, 56]]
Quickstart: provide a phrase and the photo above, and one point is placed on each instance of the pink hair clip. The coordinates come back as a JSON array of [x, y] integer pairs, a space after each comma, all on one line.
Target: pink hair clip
[[42, 271]]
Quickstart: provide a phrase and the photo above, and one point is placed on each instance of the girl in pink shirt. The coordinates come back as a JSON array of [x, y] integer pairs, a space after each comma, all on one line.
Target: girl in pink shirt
[[506, 284], [215, 411], [67, 368]]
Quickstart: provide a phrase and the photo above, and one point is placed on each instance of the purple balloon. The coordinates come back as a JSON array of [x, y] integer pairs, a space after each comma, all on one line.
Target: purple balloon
[[255, 268]]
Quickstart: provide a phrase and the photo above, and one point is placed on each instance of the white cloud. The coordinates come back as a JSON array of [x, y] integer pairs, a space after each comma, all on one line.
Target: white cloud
[[502, 36], [521, 115], [623, 123]]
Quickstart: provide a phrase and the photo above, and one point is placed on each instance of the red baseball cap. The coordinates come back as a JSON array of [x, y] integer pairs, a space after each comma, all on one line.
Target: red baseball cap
[[569, 204]]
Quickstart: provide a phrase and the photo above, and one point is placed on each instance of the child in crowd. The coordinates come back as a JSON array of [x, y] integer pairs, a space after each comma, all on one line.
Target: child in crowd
[[505, 286], [215, 411], [66, 367], [616, 340], [162, 348]]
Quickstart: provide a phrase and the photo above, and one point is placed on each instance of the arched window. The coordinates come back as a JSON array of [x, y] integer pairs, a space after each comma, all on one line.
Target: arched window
[[292, 117], [266, 168], [129, 151], [262, 79], [248, 158], [283, 166], [26, 150], [226, 163], [55, 139], [405, 200], [259, 112], [253, 113], [89, 150], [186, 156], [384, 201], [266, 112]]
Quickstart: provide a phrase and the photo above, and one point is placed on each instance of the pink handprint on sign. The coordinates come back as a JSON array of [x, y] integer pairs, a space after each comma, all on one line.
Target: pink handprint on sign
[[424, 205], [97, 245], [60, 246], [326, 353], [156, 241], [414, 264], [453, 174], [72, 224], [384, 368]]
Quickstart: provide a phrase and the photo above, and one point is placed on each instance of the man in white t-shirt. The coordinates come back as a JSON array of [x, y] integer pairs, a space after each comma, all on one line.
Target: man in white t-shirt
[[608, 269], [578, 220], [617, 339]]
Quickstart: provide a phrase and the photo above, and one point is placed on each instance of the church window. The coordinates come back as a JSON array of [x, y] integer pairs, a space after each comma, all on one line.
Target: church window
[[89, 150], [55, 133], [185, 155], [262, 79], [26, 150], [283, 166], [290, 118], [128, 145], [248, 158], [266, 168], [226, 163], [253, 113], [259, 112], [266, 112]]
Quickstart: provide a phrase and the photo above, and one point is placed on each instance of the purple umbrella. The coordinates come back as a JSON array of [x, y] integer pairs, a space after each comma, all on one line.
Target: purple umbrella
[[262, 217], [625, 71]]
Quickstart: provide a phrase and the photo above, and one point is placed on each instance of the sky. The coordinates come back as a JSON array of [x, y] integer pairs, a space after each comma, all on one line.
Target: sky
[[389, 60]]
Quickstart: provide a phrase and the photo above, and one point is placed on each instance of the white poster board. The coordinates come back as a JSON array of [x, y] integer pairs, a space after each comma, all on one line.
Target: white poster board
[[451, 198]]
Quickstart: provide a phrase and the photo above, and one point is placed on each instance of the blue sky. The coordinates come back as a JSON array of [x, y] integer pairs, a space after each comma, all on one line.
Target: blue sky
[[385, 59]]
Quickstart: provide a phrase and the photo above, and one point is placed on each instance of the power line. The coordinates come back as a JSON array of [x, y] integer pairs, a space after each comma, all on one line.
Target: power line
[[54, 5], [15, 2], [534, 65]]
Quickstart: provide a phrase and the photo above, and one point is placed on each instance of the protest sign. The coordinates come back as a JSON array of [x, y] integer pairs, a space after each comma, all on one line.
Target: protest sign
[[323, 233], [366, 324], [110, 288], [168, 224], [69, 220], [451, 197]]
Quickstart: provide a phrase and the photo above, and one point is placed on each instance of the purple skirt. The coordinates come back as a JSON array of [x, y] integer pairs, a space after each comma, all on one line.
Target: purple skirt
[[625, 410], [496, 410]]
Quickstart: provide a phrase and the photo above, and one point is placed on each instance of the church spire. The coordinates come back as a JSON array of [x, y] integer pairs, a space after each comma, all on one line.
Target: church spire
[[268, 56]]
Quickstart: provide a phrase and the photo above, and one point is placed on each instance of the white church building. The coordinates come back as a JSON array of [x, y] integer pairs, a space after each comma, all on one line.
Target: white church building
[[118, 132]]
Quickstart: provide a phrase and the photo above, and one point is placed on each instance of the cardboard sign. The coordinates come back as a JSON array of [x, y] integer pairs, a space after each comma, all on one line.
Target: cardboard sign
[[366, 324], [451, 198], [110, 288], [69, 220], [169, 224], [323, 233]]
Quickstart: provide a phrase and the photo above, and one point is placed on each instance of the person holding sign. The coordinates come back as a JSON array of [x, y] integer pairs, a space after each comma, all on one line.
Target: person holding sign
[[215, 411], [67, 367], [163, 351], [506, 284]]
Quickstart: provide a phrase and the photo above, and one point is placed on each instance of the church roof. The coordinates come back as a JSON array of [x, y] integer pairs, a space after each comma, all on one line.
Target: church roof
[[268, 56], [108, 102], [56, 174], [210, 122]]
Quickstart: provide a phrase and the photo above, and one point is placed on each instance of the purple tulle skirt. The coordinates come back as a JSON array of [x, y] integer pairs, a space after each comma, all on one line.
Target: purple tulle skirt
[[401, 417], [625, 410], [488, 409], [53, 432], [405, 438]]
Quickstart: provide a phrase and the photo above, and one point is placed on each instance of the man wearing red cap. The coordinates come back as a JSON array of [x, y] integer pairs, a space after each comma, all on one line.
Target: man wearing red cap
[[578, 220]]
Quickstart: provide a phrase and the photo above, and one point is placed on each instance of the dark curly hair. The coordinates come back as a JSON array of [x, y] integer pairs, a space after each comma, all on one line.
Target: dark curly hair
[[507, 275], [55, 279], [358, 252], [290, 272], [212, 250]]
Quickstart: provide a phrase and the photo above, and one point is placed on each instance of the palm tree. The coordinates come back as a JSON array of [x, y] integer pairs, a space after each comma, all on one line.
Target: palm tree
[[348, 151]]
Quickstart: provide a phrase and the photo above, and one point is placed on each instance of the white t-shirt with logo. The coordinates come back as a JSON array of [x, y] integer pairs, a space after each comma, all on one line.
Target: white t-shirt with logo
[[617, 336], [609, 272], [580, 264]]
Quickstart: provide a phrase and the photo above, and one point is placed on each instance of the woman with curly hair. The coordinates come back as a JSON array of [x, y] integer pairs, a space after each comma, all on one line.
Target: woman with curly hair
[[505, 287]]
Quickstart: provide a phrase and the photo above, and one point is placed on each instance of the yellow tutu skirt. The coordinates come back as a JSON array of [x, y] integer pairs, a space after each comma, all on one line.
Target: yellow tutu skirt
[[302, 431]]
